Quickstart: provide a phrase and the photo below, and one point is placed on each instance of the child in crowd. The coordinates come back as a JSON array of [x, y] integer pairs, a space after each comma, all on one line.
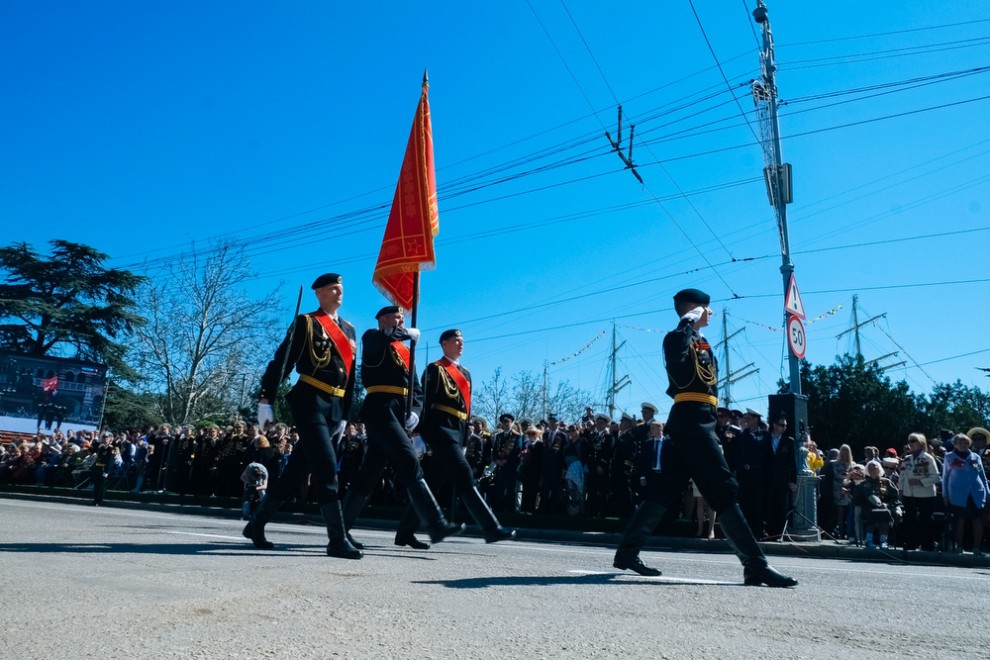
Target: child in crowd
[[255, 478]]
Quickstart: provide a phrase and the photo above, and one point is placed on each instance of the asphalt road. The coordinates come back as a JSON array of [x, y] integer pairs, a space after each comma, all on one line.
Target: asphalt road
[[85, 582]]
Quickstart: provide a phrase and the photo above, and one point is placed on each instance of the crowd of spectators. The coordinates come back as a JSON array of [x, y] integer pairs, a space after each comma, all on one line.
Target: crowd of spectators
[[922, 495]]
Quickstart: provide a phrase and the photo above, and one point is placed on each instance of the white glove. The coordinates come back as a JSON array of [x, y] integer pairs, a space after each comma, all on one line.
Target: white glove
[[412, 419], [694, 315], [414, 333], [338, 430], [265, 415]]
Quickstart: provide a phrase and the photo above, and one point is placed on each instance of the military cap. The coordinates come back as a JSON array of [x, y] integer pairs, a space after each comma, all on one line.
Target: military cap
[[692, 296], [506, 417], [752, 413], [722, 411], [388, 309], [449, 334], [552, 416], [629, 418], [325, 279], [603, 417], [649, 406]]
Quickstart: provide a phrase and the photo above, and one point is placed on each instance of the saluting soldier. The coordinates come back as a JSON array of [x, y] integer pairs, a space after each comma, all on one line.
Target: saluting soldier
[[446, 411], [320, 346], [692, 450], [385, 374]]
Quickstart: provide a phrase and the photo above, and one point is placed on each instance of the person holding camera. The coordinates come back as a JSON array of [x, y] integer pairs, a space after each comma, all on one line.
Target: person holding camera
[[255, 480]]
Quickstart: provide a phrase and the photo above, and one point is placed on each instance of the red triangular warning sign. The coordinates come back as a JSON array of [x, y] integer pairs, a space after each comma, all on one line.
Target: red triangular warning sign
[[792, 302]]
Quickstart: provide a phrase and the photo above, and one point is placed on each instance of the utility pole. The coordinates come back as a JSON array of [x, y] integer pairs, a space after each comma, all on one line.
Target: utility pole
[[617, 383], [725, 383], [546, 367], [857, 325], [617, 147], [777, 176]]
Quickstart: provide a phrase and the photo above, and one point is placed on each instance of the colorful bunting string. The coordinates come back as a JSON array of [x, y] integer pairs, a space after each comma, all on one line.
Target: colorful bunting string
[[580, 350]]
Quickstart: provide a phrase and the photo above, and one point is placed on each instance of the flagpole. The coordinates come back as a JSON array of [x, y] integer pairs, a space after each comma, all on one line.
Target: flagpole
[[412, 345]]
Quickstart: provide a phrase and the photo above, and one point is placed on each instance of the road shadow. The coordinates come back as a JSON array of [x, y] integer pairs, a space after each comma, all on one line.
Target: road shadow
[[588, 579]]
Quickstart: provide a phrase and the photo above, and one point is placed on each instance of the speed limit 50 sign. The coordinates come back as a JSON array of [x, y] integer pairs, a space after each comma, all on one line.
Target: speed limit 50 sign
[[796, 338]]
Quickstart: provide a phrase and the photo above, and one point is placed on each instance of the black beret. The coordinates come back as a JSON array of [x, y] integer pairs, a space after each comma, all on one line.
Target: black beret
[[449, 334], [390, 309], [692, 296], [325, 279]]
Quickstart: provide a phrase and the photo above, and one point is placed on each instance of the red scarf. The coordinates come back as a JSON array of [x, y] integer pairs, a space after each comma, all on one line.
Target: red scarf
[[338, 338], [462, 383], [402, 351]]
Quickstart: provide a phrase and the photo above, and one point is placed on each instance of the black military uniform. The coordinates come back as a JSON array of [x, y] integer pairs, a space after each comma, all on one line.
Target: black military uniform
[[446, 410], [506, 447], [385, 375], [321, 349], [623, 477], [600, 446], [100, 469], [748, 460], [692, 450]]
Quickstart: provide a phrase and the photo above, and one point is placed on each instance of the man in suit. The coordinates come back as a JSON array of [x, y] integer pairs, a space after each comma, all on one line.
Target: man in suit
[[781, 483]]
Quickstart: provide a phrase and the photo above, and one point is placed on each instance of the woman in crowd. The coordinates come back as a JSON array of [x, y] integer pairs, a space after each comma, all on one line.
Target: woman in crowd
[[875, 496], [964, 487], [919, 475], [835, 474]]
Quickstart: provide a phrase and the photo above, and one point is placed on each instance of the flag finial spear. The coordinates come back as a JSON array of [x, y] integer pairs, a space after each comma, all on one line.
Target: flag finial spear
[[426, 78]]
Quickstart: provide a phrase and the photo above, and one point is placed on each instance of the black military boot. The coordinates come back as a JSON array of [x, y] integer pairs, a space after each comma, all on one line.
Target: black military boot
[[406, 534], [352, 507], [491, 529], [641, 525], [756, 571], [429, 512], [339, 546], [255, 529], [409, 538]]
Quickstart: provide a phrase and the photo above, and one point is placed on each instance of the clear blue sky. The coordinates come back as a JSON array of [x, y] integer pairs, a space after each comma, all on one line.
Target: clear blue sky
[[140, 127]]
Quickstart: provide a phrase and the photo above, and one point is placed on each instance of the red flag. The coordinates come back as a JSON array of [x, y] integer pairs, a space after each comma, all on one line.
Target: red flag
[[414, 220], [49, 384]]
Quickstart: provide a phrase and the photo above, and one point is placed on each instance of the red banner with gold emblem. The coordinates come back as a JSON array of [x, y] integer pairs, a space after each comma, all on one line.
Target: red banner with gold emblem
[[414, 220]]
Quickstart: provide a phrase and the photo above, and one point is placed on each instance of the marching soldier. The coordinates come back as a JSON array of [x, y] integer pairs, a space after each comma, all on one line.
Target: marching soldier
[[320, 346], [385, 374], [446, 411], [692, 450]]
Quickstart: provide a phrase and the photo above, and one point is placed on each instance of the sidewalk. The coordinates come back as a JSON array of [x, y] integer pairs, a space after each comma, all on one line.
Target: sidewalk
[[230, 508]]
